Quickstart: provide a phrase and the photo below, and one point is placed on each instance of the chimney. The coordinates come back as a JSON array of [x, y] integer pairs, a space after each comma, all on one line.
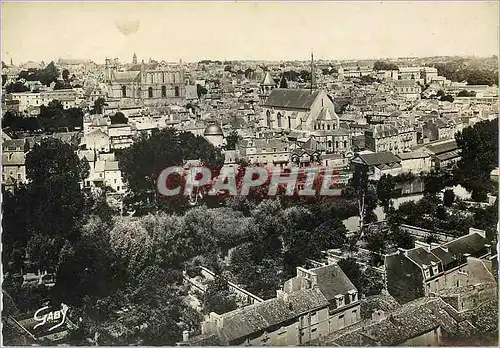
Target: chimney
[[185, 335], [378, 315], [401, 251]]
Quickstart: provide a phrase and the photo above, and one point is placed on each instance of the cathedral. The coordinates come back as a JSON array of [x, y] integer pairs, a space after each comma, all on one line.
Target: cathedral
[[150, 83]]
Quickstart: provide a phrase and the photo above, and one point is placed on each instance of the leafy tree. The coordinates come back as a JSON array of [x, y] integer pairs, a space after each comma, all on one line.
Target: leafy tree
[[386, 190], [65, 74], [382, 65], [479, 155], [232, 139], [401, 238], [201, 91], [150, 154], [465, 93], [16, 87], [448, 198], [218, 298], [440, 94], [118, 118], [99, 103], [372, 282], [283, 82], [448, 98]]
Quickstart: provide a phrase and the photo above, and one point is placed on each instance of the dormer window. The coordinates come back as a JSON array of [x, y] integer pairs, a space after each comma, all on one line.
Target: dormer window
[[339, 300]]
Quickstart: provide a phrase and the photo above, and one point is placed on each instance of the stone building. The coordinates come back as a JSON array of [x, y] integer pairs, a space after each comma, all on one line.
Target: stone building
[[311, 305], [151, 84], [299, 109]]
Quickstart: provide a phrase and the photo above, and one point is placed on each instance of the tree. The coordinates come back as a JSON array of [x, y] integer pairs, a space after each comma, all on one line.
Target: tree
[[372, 282], [65, 74], [479, 155], [448, 98], [440, 94], [150, 154], [232, 139], [200, 91], [448, 198], [386, 190], [16, 87], [99, 103], [118, 118], [465, 93], [283, 82], [382, 65], [218, 298]]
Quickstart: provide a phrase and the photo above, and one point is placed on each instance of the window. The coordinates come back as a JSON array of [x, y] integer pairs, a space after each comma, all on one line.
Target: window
[[279, 119], [341, 317], [177, 93], [163, 91], [18, 176], [328, 127], [329, 143], [124, 91], [314, 330], [337, 144], [345, 144], [150, 92], [289, 122]]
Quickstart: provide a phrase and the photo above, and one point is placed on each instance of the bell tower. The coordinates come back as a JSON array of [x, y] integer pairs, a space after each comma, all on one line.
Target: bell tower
[[134, 59]]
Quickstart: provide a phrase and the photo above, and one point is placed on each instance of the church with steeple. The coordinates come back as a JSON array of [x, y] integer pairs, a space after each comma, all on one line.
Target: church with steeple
[[308, 109]]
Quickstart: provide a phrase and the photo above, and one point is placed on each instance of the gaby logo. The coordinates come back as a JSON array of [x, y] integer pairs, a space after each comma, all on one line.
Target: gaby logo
[[44, 316]]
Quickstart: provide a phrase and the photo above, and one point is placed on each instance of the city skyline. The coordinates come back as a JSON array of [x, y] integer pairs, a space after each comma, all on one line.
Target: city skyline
[[247, 30]]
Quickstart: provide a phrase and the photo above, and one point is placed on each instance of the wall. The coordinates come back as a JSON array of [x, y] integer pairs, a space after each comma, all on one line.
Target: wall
[[431, 338]]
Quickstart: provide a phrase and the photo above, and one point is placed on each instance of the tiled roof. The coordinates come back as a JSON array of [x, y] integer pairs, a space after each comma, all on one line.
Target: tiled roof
[[13, 158], [126, 76], [442, 147], [422, 256], [206, 340], [412, 155], [332, 281], [111, 166], [377, 158], [291, 98], [247, 320]]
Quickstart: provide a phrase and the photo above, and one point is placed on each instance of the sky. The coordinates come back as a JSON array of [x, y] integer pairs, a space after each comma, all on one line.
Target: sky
[[238, 30]]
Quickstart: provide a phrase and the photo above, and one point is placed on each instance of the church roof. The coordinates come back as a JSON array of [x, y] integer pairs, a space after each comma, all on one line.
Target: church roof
[[291, 98], [126, 76], [268, 80], [147, 66]]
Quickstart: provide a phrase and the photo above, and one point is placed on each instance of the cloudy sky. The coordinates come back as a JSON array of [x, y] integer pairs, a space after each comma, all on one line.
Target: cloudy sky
[[247, 30]]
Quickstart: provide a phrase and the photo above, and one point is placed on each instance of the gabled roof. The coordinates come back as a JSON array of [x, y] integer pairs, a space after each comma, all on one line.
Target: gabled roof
[[332, 281], [412, 155], [126, 76], [268, 80], [301, 99], [377, 158], [421, 256], [440, 148]]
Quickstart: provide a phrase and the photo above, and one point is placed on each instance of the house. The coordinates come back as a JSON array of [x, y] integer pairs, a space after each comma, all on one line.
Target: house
[[397, 137], [377, 164], [299, 109], [96, 140], [426, 269], [422, 322], [120, 136], [407, 89], [443, 153], [266, 151], [14, 162], [338, 141], [311, 305], [415, 162]]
